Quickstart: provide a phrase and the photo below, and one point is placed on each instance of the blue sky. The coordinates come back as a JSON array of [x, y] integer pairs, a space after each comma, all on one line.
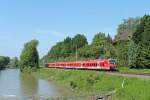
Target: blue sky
[[50, 21]]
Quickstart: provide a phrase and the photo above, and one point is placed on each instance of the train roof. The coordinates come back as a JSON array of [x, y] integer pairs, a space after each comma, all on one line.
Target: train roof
[[97, 60]]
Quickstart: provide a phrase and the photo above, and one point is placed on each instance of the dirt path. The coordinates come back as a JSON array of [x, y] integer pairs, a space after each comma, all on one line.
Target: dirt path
[[129, 75]]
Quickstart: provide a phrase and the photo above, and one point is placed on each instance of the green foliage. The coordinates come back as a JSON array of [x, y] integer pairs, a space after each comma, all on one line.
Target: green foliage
[[102, 46], [29, 56], [87, 83], [109, 39], [66, 49], [98, 45], [4, 61], [132, 54], [73, 85], [122, 53], [88, 52], [141, 37], [79, 41], [125, 47], [99, 39], [127, 28]]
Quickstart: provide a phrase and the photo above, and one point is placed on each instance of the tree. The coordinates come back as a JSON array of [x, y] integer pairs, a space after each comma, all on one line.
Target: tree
[[142, 39], [98, 45], [4, 61], [132, 54], [122, 47], [79, 41], [109, 39], [102, 46], [29, 57], [127, 28], [66, 47], [123, 41], [65, 50], [99, 39]]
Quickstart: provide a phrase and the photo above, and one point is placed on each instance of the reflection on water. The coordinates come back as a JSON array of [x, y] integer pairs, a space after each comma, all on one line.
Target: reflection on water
[[13, 83], [28, 84]]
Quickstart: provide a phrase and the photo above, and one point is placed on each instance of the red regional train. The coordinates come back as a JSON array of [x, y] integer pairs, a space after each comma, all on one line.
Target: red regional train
[[106, 64]]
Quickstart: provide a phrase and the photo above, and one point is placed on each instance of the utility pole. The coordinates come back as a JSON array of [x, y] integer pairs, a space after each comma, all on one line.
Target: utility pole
[[76, 53]]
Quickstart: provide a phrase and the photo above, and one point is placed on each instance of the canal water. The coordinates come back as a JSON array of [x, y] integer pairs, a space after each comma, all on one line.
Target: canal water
[[14, 84]]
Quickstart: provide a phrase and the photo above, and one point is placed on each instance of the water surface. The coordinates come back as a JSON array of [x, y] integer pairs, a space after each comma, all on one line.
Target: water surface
[[14, 84]]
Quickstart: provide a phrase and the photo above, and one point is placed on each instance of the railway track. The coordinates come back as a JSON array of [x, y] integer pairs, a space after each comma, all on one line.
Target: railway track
[[137, 75]]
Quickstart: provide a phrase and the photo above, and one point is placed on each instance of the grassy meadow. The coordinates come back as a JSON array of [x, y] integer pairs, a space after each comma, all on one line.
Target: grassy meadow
[[87, 83]]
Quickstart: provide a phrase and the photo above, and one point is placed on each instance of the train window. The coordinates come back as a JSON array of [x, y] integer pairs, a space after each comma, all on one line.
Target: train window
[[112, 61], [90, 64], [83, 64], [101, 64], [96, 64], [93, 64]]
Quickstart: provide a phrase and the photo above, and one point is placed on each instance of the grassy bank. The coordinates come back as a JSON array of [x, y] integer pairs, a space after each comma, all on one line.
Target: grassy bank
[[85, 82]]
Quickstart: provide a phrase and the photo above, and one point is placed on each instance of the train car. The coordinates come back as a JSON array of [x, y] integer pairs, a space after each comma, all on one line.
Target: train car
[[106, 64]]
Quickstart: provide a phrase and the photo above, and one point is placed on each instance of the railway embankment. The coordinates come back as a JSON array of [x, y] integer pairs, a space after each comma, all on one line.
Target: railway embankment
[[92, 83]]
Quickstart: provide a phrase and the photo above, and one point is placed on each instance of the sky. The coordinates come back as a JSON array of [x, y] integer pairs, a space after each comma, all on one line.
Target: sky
[[50, 21]]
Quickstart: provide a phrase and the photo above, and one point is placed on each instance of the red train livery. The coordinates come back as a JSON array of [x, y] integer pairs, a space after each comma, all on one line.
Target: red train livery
[[106, 64]]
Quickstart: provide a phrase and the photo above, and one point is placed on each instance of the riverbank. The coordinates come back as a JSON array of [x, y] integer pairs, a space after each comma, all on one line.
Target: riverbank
[[90, 83]]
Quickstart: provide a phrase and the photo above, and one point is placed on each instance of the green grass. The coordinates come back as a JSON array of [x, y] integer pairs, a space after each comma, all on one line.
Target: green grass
[[85, 82], [135, 71]]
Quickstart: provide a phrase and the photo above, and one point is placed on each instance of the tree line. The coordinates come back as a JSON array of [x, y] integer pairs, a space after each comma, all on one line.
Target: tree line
[[7, 62], [130, 47]]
